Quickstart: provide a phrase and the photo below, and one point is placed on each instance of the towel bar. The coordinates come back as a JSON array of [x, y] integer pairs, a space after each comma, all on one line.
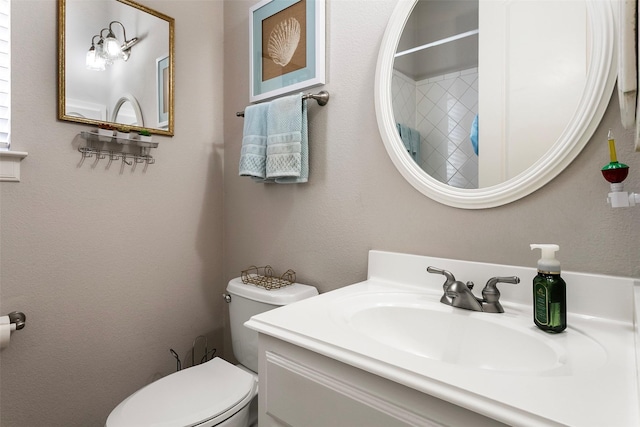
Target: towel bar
[[321, 97]]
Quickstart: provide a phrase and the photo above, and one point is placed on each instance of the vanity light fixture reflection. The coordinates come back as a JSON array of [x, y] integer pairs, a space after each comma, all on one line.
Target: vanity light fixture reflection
[[109, 48], [94, 60]]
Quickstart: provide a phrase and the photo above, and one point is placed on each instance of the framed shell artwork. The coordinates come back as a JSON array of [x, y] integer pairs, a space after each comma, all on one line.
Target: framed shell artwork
[[287, 47]]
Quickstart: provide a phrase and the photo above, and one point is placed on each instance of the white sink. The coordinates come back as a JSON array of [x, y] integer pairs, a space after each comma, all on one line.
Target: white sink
[[500, 365], [419, 324]]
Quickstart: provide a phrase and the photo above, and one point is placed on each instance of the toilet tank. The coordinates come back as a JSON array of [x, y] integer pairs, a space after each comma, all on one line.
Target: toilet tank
[[248, 300]]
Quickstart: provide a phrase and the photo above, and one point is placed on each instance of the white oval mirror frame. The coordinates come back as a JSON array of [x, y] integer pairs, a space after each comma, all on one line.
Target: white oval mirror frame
[[601, 77], [135, 108]]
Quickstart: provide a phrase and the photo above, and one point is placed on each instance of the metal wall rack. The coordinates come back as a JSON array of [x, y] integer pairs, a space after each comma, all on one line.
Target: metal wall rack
[[130, 152]]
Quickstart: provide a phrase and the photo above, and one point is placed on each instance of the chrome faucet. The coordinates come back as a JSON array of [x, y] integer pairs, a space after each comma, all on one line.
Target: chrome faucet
[[458, 294]]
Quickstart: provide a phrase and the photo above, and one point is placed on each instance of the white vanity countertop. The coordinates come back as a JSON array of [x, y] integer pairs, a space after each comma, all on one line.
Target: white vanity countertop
[[600, 308]]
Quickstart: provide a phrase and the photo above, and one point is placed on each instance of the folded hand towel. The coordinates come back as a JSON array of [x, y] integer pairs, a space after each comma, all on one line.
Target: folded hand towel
[[253, 154], [287, 140], [474, 134], [415, 145], [411, 140], [403, 131]]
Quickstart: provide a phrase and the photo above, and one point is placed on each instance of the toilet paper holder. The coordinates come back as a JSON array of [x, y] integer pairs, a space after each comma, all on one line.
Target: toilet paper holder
[[18, 318]]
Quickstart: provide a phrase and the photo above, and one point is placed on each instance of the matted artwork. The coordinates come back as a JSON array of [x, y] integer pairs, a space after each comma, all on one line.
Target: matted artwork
[[162, 83], [287, 46]]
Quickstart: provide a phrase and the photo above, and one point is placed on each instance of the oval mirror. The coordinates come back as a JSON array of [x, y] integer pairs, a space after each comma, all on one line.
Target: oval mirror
[[91, 81], [479, 105], [127, 111]]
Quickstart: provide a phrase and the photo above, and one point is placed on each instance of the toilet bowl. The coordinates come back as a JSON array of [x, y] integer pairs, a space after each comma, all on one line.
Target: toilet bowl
[[214, 393], [204, 395]]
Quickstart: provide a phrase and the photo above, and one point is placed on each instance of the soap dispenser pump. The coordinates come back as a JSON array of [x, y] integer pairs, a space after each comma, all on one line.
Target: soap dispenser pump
[[549, 292]]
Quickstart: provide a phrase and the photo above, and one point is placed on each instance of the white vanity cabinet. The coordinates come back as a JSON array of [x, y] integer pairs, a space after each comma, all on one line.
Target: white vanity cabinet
[[301, 388]]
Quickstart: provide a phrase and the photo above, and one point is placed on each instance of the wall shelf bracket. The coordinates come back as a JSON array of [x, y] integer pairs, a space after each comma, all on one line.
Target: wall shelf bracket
[[131, 151]]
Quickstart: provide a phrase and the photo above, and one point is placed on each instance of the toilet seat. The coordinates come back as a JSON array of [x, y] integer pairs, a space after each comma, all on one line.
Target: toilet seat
[[203, 395]]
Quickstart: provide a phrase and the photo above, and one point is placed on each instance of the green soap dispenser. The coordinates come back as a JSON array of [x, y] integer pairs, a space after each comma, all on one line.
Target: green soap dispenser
[[549, 292]]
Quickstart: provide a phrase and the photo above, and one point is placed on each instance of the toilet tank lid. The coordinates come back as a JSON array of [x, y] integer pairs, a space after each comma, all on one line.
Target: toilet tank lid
[[281, 296]]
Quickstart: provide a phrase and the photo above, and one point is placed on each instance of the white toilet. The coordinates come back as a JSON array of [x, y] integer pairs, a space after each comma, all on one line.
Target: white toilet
[[215, 393]]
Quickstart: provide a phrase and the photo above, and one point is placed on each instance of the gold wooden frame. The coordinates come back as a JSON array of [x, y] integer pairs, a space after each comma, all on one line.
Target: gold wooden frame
[[62, 75]]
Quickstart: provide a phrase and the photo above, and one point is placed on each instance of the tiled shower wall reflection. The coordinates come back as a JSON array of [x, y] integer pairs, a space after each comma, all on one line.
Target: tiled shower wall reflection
[[442, 109]]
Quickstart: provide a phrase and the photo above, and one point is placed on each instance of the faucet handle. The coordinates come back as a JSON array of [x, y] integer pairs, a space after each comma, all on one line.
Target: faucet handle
[[491, 294], [447, 297], [445, 273]]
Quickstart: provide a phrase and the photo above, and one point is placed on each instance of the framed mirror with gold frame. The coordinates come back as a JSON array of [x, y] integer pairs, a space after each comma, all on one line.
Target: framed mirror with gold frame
[[93, 78]]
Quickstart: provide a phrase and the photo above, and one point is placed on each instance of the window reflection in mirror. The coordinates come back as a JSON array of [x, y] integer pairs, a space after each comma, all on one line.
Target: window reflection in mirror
[[91, 96]]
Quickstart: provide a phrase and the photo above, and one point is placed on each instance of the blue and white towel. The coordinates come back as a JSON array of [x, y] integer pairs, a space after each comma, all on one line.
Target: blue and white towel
[[253, 154], [474, 135], [411, 140], [287, 141]]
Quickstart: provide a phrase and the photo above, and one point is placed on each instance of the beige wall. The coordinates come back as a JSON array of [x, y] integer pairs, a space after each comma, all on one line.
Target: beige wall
[[356, 200], [111, 269]]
